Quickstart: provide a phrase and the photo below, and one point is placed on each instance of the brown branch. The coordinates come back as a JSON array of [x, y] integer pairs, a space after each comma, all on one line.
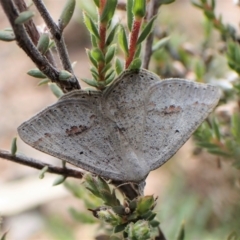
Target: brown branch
[[56, 34], [25, 42], [32, 29], [30, 162], [152, 11]]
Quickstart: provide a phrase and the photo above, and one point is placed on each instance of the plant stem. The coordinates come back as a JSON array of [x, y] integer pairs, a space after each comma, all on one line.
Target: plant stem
[[32, 29], [25, 42], [102, 34], [57, 36], [153, 9], [30, 162], [133, 40]]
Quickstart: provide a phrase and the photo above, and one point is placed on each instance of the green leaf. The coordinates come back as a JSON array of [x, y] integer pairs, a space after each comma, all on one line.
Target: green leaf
[[215, 125], [90, 82], [111, 35], [24, 17], [91, 58], [130, 14], [94, 73], [43, 171], [199, 69], [43, 81], [118, 66], [35, 72], [147, 29], [122, 38], [106, 68], [59, 180], [219, 152], [67, 13], [135, 64], [93, 40], [43, 43], [138, 51], [91, 26], [160, 44], [108, 11], [14, 146], [7, 36], [181, 233], [110, 78], [120, 228], [97, 54], [64, 75], [139, 8], [55, 90], [91, 184], [213, 4], [110, 54], [111, 72], [97, 3], [144, 204], [154, 223], [207, 145], [51, 44]]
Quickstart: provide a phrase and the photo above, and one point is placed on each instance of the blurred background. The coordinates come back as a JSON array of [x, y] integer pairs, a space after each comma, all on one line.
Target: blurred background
[[191, 188]]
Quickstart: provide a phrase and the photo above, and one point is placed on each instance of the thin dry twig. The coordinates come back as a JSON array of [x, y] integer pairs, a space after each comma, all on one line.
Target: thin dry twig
[[25, 42], [152, 11], [129, 190], [56, 34], [30, 162], [32, 29]]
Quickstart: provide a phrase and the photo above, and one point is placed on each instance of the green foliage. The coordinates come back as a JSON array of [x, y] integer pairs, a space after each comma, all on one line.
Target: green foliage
[[59, 180], [23, 17], [118, 66], [7, 35], [139, 8], [111, 35], [181, 233], [135, 219], [102, 35], [64, 75], [233, 56], [43, 43], [43, 171], [108, 11], [208, 8], [67, 13], [122, 39], [91, 26], [56, 90], [146, 30], [136, 63], [14, 146], [35, 72], [129, 14]]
